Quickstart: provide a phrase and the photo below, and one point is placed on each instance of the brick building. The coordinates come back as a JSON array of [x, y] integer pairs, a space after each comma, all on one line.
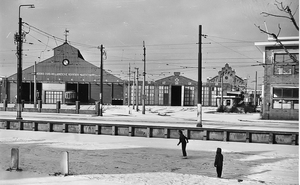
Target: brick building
[[280, 91]]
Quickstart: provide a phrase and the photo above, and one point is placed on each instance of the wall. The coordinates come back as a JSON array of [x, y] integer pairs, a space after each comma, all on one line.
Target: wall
[[271, 80]]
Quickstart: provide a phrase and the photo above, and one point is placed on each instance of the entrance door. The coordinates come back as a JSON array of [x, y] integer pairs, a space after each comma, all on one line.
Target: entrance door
[[176, 96]]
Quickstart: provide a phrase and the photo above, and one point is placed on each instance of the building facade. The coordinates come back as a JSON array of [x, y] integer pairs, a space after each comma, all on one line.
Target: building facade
[[65, 71], [231, 84], [280, 91], [175, 90]]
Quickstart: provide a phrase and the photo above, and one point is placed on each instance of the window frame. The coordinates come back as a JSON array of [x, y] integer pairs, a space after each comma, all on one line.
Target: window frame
[[280, 100], [286, 66]]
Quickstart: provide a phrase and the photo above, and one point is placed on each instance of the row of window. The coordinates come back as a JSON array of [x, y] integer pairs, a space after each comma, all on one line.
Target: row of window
[[284, 64], [285, 98]]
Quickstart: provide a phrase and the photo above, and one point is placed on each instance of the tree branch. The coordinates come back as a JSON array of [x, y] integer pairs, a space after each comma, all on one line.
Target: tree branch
[[278, 41]]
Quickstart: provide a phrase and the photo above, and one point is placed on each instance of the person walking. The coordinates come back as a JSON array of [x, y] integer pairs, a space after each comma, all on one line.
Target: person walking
[[183, 140], [219, 162]]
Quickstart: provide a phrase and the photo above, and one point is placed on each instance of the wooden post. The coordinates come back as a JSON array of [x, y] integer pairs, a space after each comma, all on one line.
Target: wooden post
[[130, 131], [98, 129], [149, 132], [35, 126], [166, 133]]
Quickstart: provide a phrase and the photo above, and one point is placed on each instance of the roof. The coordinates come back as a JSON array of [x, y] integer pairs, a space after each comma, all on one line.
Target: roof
[[176, 79], [78, 70], [286, 41]]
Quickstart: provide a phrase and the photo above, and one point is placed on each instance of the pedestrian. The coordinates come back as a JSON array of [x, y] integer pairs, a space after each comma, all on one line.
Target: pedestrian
[[183, 140], [219, 162]]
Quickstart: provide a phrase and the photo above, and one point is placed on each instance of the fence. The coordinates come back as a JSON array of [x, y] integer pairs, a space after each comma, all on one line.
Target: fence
[[197, 133]]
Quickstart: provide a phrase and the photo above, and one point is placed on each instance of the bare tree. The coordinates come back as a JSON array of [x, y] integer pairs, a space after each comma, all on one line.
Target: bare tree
[[290, 16]]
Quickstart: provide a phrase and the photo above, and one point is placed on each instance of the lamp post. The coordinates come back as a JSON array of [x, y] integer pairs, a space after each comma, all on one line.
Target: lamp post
[[19, 66]]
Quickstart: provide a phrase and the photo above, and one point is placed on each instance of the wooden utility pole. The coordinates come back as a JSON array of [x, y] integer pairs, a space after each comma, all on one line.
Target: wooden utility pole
[[137, 89], [101, 81], [129, 93], [199, 105], [133, 90], [255, 89], [144, 80], [34, 85]]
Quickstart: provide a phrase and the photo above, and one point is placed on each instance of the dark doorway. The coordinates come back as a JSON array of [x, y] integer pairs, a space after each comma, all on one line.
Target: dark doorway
[[176, 96], [26, 92], [38, 92], [81, 91]]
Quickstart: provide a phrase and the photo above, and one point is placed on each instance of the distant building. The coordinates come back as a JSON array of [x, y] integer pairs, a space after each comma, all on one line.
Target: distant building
[[280, 91], [65, 71], [233, 85]]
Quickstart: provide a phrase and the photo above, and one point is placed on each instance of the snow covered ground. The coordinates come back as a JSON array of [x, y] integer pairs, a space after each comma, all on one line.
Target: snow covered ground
[[101, 159]]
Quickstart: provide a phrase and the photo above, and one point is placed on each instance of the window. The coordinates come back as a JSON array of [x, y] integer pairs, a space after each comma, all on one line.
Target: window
[[149, 90], [189, 95], [163, 93], [214, 92], [53, 96], [285, 98], [205, 96], [283, 64]]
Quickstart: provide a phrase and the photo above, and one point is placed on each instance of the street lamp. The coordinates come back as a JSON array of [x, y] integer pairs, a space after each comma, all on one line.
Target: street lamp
[[19, 66]]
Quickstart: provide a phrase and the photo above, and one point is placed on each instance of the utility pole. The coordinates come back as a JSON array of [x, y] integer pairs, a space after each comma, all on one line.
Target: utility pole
[[101, 80], [199, 105], [255, 89], [34, 85], [129, 94], [133, 89], [222, 74], [137, 90], [19, 38], [144, 80]]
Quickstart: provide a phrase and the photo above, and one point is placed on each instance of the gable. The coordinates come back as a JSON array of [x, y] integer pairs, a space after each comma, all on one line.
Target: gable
[[78, 70], [176, 80]]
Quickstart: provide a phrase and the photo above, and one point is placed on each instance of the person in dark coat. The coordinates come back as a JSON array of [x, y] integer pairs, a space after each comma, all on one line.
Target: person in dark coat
[[219, 162], [183, 140]]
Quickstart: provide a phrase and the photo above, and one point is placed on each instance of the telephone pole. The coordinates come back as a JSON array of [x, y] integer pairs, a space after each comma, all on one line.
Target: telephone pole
[[133, 90], [101, 81], [255, 89], [199, 105], [144, 80], [34, 85], [129, 93], [137, 89]]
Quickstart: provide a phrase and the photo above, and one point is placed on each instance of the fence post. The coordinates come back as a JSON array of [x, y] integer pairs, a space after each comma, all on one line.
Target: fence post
[[77, 107], [57, 106], [5, 104], [39, 105], [97, 108]]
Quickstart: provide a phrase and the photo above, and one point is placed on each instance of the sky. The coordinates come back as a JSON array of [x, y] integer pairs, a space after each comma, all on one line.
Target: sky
[[169, 28]]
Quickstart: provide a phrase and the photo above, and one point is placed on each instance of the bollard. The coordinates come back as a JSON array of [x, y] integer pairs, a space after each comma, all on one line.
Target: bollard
[[64, 163], [57, 106], [77, 107], [14, 159], [40, 105], [5, 104]]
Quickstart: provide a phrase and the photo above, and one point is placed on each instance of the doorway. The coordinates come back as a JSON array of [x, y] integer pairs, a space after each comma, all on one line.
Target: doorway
[[176, 96]]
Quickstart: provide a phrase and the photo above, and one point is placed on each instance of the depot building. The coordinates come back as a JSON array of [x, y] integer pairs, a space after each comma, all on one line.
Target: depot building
[[67, 70]]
